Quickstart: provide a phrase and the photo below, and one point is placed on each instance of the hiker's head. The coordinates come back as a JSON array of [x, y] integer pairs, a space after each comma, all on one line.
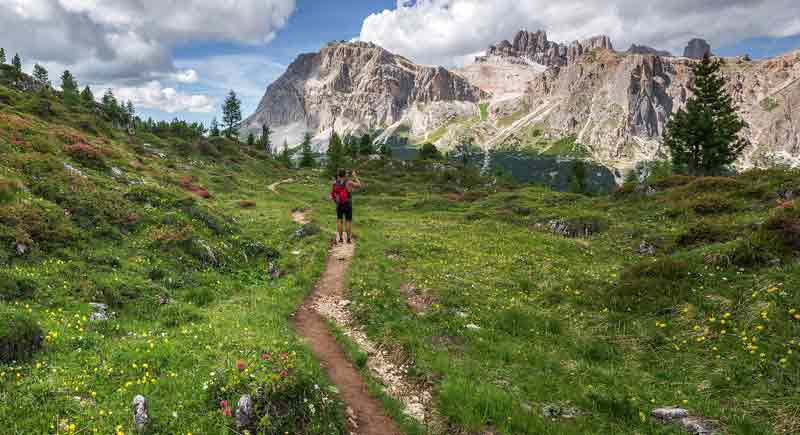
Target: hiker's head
[[341, 173]]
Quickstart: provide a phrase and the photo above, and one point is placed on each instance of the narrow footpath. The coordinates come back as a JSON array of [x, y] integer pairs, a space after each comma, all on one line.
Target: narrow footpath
[[366, 415]]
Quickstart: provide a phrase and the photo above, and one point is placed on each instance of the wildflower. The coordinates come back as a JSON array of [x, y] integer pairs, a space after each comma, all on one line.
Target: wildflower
[[241, 365], [264, 356]]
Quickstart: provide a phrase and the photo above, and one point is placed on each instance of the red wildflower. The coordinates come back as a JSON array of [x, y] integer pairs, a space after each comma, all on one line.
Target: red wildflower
[[265, 356], [241, 365], [284, 373]]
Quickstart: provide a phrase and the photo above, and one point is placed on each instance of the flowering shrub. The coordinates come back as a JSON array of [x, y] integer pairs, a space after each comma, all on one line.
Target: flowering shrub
[[286, 398], [189, 185], [86, 154]]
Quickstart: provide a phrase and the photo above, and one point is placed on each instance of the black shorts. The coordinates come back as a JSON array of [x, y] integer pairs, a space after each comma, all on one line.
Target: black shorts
[[345, 211]]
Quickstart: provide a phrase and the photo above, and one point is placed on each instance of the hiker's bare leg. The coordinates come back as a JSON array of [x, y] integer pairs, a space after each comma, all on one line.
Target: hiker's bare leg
[[349, 225], [339, 229]]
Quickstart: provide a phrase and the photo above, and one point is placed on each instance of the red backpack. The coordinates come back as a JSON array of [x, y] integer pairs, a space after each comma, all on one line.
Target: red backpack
[[339, 193]]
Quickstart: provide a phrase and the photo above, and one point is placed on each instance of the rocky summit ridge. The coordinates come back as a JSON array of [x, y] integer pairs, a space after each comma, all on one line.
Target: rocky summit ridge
[[529, 93]]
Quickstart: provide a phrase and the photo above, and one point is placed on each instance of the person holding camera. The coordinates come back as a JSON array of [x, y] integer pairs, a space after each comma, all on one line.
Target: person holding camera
[[342, 195]]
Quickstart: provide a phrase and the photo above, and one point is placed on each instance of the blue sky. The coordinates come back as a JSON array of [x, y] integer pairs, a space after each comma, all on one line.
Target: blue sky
[[254, 67], [179, 58]]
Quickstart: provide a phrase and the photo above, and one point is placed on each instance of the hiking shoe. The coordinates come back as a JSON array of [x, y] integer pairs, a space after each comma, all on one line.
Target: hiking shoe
[[348, 241]]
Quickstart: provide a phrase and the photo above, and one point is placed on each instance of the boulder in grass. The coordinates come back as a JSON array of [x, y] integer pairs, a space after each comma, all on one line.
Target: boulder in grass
[[244, 411], [141, 418]]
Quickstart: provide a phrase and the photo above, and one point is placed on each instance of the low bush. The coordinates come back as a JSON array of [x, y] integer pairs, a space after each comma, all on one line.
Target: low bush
[[20, 335], [8, 190], [247, 203], [286, 397], [86, 155], [13, 288], [176, 314], [652, 285], [704, 233]]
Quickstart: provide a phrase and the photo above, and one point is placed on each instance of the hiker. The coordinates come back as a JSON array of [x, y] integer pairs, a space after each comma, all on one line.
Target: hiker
[[342, 195]]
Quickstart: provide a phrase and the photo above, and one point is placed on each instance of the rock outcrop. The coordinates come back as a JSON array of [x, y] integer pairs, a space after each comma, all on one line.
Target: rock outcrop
[[643, 49], [697, 49], [353, 87], [536, 48]]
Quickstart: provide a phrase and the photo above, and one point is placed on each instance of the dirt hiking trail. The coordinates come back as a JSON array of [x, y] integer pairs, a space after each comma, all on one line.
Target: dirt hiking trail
[[365, 414]]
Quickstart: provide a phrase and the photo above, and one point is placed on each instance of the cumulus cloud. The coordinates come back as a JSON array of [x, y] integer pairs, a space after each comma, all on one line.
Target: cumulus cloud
[[131, 40], [153, 95], [447, 31], [186, 76]]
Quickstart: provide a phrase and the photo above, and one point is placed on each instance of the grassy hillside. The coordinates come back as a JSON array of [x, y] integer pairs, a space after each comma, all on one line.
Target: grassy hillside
[[178, 238], [530, 311]]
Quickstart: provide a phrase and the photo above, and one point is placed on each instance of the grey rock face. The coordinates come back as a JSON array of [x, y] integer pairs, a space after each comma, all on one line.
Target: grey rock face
[[140, 413], [99, 312], [646, 248], [535, 47], [244, 411], [669, 414], [697, 49], [643, 49], [352, 87]]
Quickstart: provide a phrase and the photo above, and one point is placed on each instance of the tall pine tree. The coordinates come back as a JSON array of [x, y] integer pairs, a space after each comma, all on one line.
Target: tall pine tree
[[213, 129], [231, 114], [365, 146], [87, 97], [41, 76], [251, 140], [704, 136], [69, 89], [16, 62], [307, 156], [265, 141], [2, 55], [335, 154], [284, 157]]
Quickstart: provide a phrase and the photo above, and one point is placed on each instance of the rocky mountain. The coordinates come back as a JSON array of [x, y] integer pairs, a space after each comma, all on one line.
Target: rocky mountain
[[643, 49], [697, 49], [580, 99], [356, 88]]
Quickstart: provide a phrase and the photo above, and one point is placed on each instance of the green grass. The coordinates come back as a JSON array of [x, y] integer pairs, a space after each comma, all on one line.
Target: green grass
[[169, 224], [484, 110], [588, 323]]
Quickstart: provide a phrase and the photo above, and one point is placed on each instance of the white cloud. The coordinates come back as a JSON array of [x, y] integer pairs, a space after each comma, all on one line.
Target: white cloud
[[153, 95], [186, 76], [114, 40], [446, 31]]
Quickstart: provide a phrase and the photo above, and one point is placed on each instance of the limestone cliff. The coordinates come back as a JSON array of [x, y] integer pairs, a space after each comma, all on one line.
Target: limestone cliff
[[355, 88]]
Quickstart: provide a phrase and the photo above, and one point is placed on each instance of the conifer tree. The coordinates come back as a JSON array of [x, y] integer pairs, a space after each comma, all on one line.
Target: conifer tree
[[2, 55], [307, 156], [231, 114], [251, 140], [365, 146], [704, 136], [41, 76], [351, 146], [213, 129], [87, 97], [69, 89], [335, 153], [265, 141], [16, 62], [110, 105], [284, 157]]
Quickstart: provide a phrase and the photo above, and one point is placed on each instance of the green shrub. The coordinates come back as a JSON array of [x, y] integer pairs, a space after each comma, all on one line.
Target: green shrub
[[176, 314], [8, 190], [86, 155], [13, 288], [652, 285], [20, 336], [784, 224], [704, 233], [200, 296]]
